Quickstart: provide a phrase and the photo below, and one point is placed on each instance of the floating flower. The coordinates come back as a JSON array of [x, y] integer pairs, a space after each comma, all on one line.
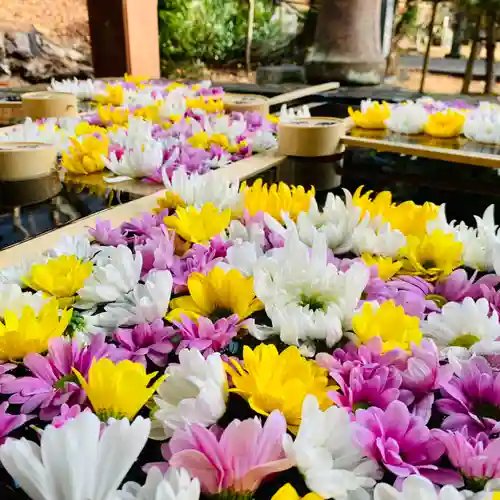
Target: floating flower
[[205, 335], [175, 484], [147, 341], [464, 329], [217, 295], [31, 331], [95, 462], [417, 487], [372, 115], [477, 458], [137, 162], [113, 95], [194, 392], [275, 199], [471, 399], [61, 277], [400, 442], [288, 492], [433, 256], [9, 422], [326, 455], [389, 322], [306, 297], [269, 381], [105, 234], [83, 89], [199, 226], [407, 118], [445, 124], [218, 462], [86, 156], [66, 414], [118, 390], [482, 125], [52, 382], [386, 267]]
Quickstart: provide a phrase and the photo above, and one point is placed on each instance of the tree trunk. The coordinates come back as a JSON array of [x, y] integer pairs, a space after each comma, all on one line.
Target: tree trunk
[[248, 49], [469, 69], [429, 45], [489, 83], [347, 43]]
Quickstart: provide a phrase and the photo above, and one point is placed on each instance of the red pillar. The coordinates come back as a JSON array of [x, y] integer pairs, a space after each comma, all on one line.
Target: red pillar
[[124, 37]]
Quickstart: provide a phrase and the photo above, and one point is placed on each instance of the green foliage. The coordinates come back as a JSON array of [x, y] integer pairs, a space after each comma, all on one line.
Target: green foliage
[[214, 31]]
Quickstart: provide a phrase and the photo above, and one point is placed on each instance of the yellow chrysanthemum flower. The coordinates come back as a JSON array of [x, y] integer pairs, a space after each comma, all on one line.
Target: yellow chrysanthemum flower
[[390, 323], [210, 105], [219, 140], [271, 381], [118, 391], [84, 128], [136, 80], [432, 256], [199, 226], [199, 140], [445, 124], [61, 277], [407, 217], [373, 117], [288, 492], [217, 295], [273, 119], [386, 267], [113, 116], [170, 201], [31, 332], [151, 112], [87, 156], [276, 199], [113, 96]]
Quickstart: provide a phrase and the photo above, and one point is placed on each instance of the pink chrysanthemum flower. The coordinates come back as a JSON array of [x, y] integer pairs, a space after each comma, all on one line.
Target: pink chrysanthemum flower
[[147, 341], [471, 399], [477, 458], [52, 382], [205, 335], [105, 234], [9, 422], [236, 459]]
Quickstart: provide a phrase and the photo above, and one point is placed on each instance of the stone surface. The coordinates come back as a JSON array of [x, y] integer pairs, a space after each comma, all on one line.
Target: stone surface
[[280, 74], [347, 45]]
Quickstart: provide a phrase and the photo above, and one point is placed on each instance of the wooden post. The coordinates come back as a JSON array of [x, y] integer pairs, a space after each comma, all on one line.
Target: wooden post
[[248, 48], [429, 45], [469, 69], [490, 77], [124, 37]]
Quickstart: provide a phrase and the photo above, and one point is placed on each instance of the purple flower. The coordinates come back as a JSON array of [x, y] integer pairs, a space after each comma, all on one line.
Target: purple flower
[[414, 294], [105, 234], [477, 458], [366, 387], [9, 422], [141, 226], [206, 336], [147, 341], [52, 382], [67, 414], [5, 376], [400, 441], [158, 252], [423, 375], [471, 399]]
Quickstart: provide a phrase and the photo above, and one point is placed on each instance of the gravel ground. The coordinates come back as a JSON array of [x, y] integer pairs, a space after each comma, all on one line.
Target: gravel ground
[[65, 21]]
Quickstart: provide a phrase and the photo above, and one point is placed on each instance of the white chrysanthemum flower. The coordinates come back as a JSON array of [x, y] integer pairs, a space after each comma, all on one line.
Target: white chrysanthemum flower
[[197, 189], [407, 118], [12, 298], [137, 162], [262, 140], [195, 391], [30, 131], [174, 103], [116, 272], [325, 454], [14, 275], [417, 487], [336, 222], [287, 115], [144, 304], [305, 297], [138, 132], [83, 89], [243, 256], [483, 125], [141, 98], [375, 237], [463, 329], [78, 245], [76, 461], [226, 126], [176, 484]]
